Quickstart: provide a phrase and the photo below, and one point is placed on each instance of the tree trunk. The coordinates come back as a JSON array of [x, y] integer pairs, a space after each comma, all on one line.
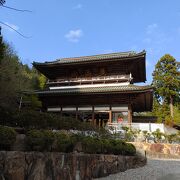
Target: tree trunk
[[171, 107]]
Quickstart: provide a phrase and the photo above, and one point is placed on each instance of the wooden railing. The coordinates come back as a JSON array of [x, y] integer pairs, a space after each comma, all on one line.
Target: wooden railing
[[91, 80]]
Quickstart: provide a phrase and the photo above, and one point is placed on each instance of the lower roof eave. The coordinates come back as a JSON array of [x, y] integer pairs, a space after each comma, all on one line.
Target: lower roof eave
[[130, 89]]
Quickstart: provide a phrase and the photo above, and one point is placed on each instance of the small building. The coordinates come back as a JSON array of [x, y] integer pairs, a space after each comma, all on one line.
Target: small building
[[98, 88]]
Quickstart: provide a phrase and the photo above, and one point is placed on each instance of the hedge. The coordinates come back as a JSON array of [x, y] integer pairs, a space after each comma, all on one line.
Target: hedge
[[63, 142], [7, 137]]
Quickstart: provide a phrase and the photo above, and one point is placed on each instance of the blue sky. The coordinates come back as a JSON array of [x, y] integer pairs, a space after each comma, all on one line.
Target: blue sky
[[68, 28]]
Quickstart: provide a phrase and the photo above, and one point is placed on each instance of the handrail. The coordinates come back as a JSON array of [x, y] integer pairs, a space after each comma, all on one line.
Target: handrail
[[92, 79]]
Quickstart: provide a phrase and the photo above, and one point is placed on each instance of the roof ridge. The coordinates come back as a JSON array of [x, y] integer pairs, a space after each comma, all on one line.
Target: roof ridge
[[99, 55], [104, 54], [95, 57]]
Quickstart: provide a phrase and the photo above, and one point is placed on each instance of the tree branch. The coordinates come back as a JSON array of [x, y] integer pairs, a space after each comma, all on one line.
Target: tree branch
[[15, 9], [14, 29]]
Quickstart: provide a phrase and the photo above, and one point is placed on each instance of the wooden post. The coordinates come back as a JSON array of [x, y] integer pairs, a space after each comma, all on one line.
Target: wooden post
[[76, 113], [129, 114], [93, 120], [61, 113], [110, 116]]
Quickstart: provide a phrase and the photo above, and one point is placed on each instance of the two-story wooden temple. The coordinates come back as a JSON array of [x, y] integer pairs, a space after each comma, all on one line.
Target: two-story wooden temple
[[97, 88]]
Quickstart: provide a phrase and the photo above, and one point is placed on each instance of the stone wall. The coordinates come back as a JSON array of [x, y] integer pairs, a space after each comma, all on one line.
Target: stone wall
[[158, 150], [16, 165]]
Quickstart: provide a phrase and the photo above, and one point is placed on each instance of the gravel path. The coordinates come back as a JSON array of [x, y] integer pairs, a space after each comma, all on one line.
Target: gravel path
[[154, 170]]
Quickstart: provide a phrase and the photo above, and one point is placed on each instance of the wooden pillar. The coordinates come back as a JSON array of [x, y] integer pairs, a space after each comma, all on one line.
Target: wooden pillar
[[110, 114], [76, 113], [129, 114], [61, 113], [93, 120]]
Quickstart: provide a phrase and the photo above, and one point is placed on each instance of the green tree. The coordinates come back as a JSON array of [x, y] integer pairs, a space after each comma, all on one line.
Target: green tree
[[166, 81], [2, 46], [15, 78]]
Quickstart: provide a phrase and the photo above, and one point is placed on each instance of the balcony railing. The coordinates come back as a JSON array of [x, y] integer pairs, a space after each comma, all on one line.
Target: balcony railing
[[91, 80], [150, 127]]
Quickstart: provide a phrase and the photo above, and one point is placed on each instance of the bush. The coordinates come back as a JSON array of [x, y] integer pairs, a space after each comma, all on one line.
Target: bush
[[48, 137], [7, 117], [130, 149], [33, 119], [107, 146], [35, 140], [39, 140], [91, 145], [157, 135], [64, 142], [7, 137]]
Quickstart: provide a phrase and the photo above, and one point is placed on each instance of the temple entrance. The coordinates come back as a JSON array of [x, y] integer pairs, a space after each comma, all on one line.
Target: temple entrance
[[101, 118], [98, 115]]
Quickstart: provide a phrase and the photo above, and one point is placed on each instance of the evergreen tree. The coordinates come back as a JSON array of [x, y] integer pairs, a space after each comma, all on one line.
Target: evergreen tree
[[15, 78], [166, 81], [2, 46]]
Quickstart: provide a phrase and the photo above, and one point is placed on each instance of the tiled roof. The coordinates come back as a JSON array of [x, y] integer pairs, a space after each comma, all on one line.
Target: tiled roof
[[111, 89], [119, 55]]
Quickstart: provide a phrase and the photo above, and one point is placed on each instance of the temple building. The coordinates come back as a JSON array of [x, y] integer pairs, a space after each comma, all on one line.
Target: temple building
[[98, 88]]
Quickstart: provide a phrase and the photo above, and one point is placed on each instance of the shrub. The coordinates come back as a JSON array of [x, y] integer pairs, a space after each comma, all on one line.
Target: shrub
[[7, 117], [130, 149], [7, 137], [157, 135], [91, 145], [107, 146], [64, 142], [48, 137], [40, 140], [146, 135], [171, 138], [35, 140], [116, 147], [33, 119]]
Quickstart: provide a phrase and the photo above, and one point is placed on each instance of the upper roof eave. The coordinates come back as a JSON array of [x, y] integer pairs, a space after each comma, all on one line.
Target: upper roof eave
[[101, 57]]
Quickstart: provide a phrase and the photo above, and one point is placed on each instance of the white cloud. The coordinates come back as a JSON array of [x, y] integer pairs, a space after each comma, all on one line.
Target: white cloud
[[151, 28], [74, 35], [15, 27], [78, 6]]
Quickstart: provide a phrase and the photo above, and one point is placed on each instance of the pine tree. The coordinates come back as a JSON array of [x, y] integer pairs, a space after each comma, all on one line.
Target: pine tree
[[2, 47], [166, 81]]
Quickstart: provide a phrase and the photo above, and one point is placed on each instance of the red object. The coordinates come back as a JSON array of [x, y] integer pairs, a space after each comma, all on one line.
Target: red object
[[120, 119]]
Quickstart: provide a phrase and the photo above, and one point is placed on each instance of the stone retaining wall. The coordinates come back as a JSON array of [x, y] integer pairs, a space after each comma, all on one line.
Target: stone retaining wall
[[158, 150], [16, 165]]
